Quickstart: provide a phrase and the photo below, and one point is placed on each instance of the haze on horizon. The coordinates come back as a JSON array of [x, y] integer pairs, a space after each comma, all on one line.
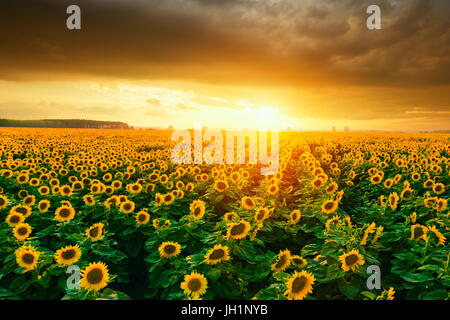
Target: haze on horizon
[[280, 64]]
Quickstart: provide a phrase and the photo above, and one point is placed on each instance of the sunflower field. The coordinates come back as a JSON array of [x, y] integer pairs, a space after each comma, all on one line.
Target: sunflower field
[[112, 205]]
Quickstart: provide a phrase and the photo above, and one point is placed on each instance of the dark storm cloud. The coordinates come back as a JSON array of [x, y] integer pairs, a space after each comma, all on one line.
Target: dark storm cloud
[[286, 43]]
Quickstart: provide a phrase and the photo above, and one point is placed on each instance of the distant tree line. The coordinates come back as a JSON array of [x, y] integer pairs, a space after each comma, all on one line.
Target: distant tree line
[[64, 123]]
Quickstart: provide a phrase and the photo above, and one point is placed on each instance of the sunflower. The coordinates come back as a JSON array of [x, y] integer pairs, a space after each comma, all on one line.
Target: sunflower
[[116, 184], [64, 213], [142, 217], [95, 276], [135, 188], [43, 206], [406, 194], [261, 214], [377, 234], [229, 216], [299, 285], [127, 207], [238, 230], [248, 203], [3, 202], [24, 210], [195, 284], [221, 185], [272, 189], [441, 205], [415, 176], [95, 231], [441, 238], [29, 200], [15, 218], [428, 184], [27, 257], [332, 222], [68, 255], [283, 261], [376, 179], [89, 200], [351, 260], [197, 209], [295, 216], [393, 200], [439, 188], [169, 249], [161, 224], [168, 198], [329, 206], [217, 254], [418, 232], [23, 178], [65, 191], [387, 294], [44, 190], [317, 183], [298, 261], [190, 187], [388, 183], [332, 187], [22, 231]]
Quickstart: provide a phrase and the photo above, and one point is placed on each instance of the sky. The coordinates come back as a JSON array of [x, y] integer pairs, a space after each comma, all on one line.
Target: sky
[[306, 65]]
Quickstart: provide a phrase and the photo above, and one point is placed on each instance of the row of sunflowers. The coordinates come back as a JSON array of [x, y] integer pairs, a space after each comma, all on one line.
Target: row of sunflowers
[[111, 204]]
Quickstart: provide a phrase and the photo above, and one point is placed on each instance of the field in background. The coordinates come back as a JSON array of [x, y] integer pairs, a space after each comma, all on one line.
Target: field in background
[[111, 203]]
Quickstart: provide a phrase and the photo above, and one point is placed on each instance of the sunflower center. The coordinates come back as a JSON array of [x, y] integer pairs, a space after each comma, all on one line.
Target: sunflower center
[[68, 254], [238, 229], [221, 185], [95, 276], [65, 212], [217, 254], [329, 205], [194, 285], [142, 217], [21, 210], [297, 261], [28, 258], [169, 249], [22, 231], [14, 219], [418, 232], [298, 284], [281, 262], [249, 202], [261, 215], [94, 232], [351, 259], [2, 201]]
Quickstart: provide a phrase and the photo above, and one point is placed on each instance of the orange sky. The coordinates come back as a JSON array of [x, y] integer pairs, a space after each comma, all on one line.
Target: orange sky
[[229, 63]]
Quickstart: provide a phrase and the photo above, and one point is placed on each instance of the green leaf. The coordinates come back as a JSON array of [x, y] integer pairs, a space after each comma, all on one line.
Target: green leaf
[[350, 288], [417, 277], [435, 295], [370, 295]]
